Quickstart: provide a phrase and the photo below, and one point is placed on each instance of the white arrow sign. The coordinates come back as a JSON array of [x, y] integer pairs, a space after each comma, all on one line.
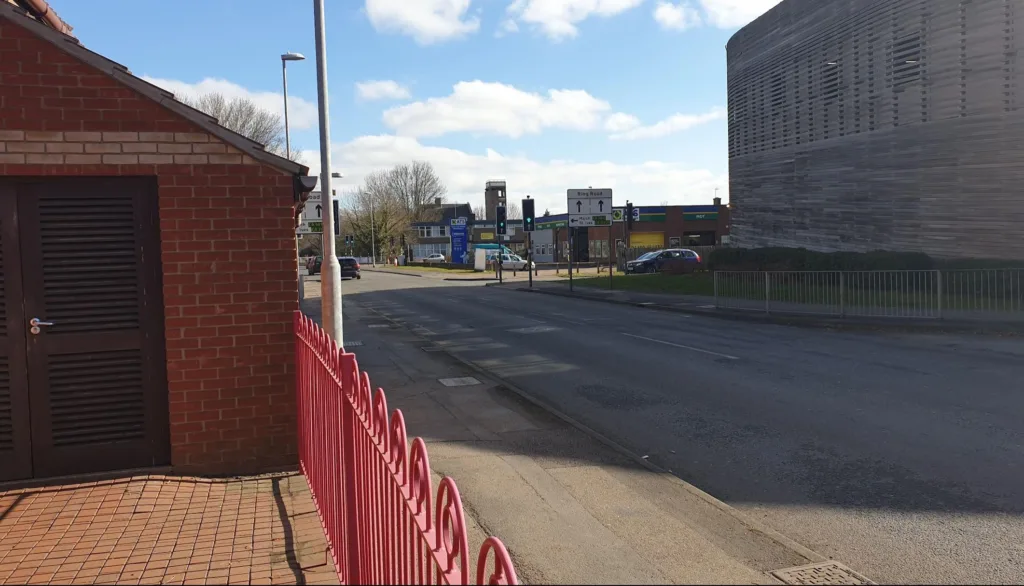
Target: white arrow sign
[[589, 207]]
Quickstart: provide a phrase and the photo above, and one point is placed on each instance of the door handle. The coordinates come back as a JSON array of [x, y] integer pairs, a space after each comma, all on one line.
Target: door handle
[[36, 322]]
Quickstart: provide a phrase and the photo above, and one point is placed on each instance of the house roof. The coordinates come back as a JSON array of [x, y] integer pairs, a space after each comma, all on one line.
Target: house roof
[[65, 42], [42, 11]]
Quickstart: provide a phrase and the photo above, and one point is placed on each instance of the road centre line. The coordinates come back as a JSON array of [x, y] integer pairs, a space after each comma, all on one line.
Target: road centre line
[[681, 346]]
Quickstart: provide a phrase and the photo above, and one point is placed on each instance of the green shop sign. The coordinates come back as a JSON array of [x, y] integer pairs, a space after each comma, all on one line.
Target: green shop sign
[[551, 225], [658, 217]]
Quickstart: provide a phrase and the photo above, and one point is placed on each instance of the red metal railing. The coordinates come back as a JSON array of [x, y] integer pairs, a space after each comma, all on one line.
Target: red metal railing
[[373, 493]]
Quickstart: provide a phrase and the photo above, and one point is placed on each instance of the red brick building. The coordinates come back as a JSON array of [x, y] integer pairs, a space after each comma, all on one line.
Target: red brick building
[[160, 247]]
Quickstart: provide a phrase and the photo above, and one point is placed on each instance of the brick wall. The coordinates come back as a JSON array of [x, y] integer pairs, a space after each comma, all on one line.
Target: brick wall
[[227, 237]]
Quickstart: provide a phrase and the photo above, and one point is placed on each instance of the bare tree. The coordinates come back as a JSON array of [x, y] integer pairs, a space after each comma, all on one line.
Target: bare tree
[[244, 117], [513, 211], [391, 201], [479, 212], [546, 213]]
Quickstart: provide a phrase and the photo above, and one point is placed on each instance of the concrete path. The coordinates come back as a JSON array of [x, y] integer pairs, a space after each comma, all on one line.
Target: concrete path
[[569, 509], [898, 454]]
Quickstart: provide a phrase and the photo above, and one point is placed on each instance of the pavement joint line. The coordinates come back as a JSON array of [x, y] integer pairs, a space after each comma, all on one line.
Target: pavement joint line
[[729, 356], [745, 520]]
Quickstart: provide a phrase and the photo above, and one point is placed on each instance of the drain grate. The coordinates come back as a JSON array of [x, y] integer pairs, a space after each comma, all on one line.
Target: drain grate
[[378, 326], [351, 344], [464, 381], [830, 572]]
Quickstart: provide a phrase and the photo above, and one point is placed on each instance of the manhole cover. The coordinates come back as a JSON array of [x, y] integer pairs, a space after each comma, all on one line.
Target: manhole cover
[[534, 330], [830, 572], [464, 381]]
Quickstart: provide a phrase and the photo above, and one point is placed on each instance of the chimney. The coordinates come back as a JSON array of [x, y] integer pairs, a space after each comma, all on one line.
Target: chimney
[[718, 202]]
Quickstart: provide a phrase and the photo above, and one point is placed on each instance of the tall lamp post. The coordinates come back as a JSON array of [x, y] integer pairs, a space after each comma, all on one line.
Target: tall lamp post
[[330, 280], [284, 82], [288, 146]]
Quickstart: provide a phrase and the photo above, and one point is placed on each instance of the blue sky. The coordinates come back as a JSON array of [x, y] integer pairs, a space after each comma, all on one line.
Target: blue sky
[[545, 94]]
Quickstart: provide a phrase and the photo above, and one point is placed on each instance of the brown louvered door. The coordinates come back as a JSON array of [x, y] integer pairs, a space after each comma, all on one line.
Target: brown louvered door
[[15, 440], [97, 375]]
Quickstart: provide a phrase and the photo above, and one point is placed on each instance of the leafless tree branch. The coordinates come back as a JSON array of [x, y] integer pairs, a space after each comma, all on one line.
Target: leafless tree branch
[[244, 117]]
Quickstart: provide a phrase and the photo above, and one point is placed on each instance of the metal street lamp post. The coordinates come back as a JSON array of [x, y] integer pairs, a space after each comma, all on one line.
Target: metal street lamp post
[[330, 280], [284, 82]]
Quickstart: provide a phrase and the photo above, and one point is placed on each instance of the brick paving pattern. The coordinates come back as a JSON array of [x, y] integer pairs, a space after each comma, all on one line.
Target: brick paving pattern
[[164, 530]]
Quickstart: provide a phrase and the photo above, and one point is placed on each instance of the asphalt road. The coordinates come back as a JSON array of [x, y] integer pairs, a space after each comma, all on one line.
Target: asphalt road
[[899, 455]]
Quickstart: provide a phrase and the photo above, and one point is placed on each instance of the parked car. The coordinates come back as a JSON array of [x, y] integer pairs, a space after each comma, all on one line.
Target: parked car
[[511, 262], [655, 261], [437, 257], [313, 264], [349, 266]]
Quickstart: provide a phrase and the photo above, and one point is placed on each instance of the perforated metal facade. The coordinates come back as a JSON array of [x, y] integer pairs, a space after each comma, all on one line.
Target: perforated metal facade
[[879, 124]]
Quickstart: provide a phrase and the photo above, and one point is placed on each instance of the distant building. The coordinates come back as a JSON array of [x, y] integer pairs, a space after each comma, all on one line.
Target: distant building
[[653, 227], [879, 124], [433, 237]]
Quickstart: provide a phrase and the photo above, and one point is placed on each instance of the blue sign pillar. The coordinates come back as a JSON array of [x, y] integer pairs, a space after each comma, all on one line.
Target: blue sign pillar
[[460, 241]]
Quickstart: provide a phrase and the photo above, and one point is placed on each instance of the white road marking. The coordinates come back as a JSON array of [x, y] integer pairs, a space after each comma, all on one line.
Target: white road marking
[[682, 346], [534, 330]]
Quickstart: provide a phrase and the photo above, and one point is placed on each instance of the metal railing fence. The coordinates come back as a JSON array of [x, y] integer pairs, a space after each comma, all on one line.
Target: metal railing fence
[[927, 294], [372, 491]]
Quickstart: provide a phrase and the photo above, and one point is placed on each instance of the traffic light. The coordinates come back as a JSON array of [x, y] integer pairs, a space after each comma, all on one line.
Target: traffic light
[[499, 221], [337, 218], [528, 218], [629, 215]]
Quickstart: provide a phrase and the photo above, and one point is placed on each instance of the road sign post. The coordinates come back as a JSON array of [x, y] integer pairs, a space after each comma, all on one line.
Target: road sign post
[[589, 207]]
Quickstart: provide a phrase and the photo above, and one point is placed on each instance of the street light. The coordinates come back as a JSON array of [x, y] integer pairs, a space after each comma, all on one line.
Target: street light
[[284, 82], [330, 280]]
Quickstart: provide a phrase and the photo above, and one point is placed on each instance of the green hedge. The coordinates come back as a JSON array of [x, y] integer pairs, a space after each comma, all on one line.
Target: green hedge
[[801, 259]]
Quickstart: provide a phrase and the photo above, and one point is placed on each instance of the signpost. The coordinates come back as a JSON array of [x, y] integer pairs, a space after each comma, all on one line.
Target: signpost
[[312, 216], [459, 234], [588, 207]]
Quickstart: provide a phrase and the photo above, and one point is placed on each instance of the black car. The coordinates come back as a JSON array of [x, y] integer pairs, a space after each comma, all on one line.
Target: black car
[[652, 262], [349, 266]]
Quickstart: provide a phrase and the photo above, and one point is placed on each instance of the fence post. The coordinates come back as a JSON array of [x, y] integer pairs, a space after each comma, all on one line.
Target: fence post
[[938, 291], [842, 294], [716, 288], [349, 423], [767, 288]]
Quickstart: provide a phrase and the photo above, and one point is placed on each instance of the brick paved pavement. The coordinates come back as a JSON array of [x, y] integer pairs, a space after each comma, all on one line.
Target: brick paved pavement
[[164, 530]]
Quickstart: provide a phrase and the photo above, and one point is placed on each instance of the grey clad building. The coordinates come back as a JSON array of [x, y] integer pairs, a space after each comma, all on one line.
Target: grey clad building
[[861, 125]]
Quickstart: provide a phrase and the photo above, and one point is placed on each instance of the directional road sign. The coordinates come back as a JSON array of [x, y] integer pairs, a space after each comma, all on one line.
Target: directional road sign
[[589, 207]]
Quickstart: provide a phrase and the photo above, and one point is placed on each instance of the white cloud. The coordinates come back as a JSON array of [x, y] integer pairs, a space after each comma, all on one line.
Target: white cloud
[[735, 13], [621, 122], [648, 183], [301, 113], [671, 125], [676, 16], [382, 90], [558, 18], [496, 108], [426, 21]]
